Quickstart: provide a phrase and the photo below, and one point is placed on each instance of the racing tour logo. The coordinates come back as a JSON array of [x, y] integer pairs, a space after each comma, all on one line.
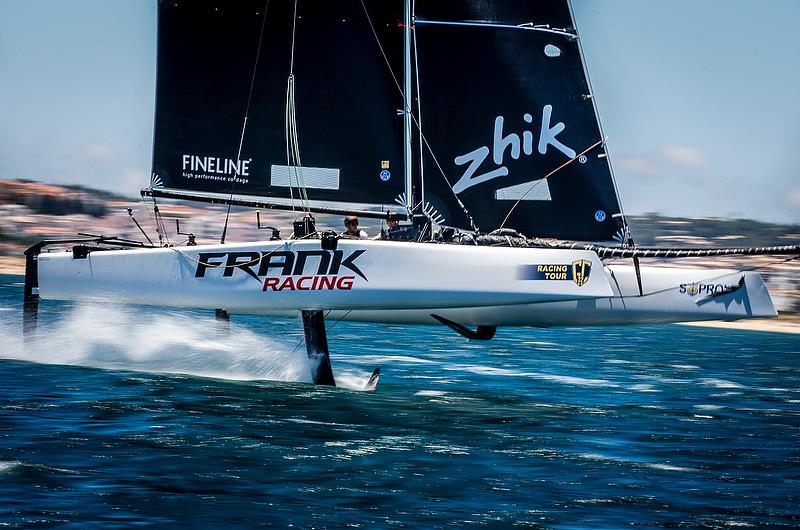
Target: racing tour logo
[[578, 272]]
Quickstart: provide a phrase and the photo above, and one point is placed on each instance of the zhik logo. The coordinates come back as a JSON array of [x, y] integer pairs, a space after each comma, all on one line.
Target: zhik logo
[[475, 159]]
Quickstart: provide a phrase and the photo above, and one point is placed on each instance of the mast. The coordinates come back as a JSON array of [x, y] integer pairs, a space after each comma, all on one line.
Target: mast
[[409, 189]]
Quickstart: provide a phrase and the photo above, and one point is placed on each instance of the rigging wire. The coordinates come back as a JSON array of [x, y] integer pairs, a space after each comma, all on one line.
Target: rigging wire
[[559, 168], [244, 123], [419, 113], [161, 229], [717, 277], [407, 108], [294, 165], [149, 213]]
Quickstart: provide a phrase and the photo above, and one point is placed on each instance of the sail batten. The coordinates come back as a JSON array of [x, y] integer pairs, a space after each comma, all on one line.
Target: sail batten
[[524, 27]]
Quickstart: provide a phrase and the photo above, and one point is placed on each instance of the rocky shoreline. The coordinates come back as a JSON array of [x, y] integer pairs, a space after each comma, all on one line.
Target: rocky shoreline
[[12, 265]]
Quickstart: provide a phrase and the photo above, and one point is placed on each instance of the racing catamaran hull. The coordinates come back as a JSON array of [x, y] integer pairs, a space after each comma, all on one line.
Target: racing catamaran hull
[[398, 282], [260, 278], [669, 295]]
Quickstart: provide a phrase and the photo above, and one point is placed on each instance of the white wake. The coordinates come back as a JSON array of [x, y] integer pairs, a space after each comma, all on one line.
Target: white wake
[[127, 338]]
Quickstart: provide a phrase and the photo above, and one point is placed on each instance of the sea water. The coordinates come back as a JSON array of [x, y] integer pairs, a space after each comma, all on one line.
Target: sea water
[[120, 417]]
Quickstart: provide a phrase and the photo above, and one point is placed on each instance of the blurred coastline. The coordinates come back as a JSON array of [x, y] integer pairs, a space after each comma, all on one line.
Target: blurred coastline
[[32, 211]]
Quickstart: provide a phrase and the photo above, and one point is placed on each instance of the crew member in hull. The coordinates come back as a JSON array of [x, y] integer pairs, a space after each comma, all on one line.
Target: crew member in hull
[[352, 229]]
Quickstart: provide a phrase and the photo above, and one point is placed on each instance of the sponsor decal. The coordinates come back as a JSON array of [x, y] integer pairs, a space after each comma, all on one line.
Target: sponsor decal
[[289, 270], [477, 172], [693, 289], [578, 271], [215, 168], [599, 216], [385, 175]]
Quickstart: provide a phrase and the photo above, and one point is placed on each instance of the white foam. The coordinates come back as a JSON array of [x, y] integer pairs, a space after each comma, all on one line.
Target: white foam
[[387, 359], [576, 381], [431, 393], [596, 456], [556, 378], [351, 380], [721, 383], [670, 467], [7, 466], [643, 388], [127, 338], [652, 465], [485, 370]]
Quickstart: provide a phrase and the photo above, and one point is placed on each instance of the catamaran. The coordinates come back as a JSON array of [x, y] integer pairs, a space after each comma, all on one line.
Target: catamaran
[[496, 161]]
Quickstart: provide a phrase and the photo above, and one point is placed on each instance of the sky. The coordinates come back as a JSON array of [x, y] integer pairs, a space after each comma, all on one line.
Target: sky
[[698, 99]]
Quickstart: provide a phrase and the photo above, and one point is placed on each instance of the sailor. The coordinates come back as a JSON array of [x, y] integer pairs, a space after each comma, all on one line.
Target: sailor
[[393, 222], [352, 230], [396, 231]]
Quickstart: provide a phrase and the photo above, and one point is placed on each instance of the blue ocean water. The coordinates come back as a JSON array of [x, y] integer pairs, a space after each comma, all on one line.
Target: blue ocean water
[[118, 417]]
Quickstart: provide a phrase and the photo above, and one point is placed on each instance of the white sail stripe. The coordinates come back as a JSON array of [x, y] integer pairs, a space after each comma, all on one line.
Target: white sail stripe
[[535, 190], [318, 178]]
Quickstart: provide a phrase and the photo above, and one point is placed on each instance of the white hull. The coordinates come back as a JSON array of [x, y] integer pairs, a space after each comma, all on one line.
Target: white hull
[[259, 278], [664, 301], [381, 281]]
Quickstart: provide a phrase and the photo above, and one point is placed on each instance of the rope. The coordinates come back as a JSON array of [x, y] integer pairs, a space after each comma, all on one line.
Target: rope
[[161, 229], [293, 163], [149, 213], [244, 123], [559, 168], [712, 278], [655, 252]]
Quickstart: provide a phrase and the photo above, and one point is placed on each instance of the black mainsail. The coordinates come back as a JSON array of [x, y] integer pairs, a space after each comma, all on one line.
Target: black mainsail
[[514, 108], [221, 61], [496, 90]]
